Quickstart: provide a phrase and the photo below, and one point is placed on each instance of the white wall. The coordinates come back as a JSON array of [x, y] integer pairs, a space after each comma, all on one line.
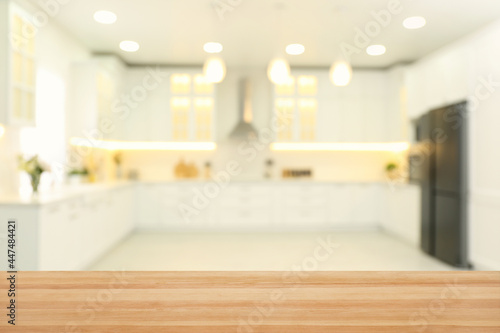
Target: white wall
[[458, 72]]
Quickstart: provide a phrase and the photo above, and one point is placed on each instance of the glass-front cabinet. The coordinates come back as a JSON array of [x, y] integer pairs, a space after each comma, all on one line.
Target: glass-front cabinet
[[191, 107], [18, 66]]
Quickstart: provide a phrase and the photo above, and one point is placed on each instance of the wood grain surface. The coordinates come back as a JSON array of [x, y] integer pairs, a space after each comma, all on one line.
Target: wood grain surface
[[219, 302]]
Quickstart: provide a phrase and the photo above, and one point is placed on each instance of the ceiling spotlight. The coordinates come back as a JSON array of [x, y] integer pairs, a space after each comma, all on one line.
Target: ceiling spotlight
[[414, 22], [129, 46], [375, 50], [213, 47], [295, 49], [105, 17]]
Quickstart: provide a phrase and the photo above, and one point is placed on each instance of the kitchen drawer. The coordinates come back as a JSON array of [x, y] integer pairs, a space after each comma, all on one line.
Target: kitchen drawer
[[305, 190], [305, 216], [355, 204], [246, 217], [178, 190], [249, 190], [245, 201], [304, 200]]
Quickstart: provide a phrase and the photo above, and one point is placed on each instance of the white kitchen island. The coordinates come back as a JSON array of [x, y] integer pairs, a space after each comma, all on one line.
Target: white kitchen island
[[73, 227]]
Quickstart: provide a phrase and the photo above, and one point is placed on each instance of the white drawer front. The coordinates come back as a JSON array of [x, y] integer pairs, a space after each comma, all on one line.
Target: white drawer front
[[304, 201], [306, 216], [245, 217]]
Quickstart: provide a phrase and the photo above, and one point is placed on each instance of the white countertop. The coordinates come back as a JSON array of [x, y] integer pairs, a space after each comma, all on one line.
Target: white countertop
[[59, 194], [71, 191]]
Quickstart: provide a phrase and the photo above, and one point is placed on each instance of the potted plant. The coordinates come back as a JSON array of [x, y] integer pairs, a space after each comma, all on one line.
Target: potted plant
[[392, 170], [34, 168], [77, 176], [118, 159]]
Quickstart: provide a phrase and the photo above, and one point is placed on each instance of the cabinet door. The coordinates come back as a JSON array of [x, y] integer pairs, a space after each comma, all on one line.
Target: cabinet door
[[54, 238], [61, 239], [148, 206], [178, 211], [380, 117], [354, 206], [415, 83], [18, 60], [303, 207], [330, 117], [245, 207]]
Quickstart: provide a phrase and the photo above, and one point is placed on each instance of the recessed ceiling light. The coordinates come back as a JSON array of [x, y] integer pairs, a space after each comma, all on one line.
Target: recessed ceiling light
[[213, 47], [414, 22], [295, 49], [129, 46], [375, 50], [105, 17]]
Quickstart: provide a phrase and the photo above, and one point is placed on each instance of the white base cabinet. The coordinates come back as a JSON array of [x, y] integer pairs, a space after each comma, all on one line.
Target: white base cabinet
[[263, 207], [71, 233]]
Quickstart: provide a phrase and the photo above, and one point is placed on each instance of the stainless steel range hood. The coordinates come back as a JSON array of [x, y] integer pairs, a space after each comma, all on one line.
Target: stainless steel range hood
[[244, 129]]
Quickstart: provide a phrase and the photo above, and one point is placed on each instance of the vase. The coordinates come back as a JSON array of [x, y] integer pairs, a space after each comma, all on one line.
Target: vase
[[35, 182]]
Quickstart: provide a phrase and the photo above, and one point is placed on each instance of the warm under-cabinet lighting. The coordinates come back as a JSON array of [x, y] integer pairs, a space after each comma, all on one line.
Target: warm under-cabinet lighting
[[138, 145], [313, 146]]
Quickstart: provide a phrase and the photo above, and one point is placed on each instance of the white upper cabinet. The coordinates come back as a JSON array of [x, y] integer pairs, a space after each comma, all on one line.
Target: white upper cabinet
[[17, 65], [165, 104], [97, 86], [367, 110], [438, 81]]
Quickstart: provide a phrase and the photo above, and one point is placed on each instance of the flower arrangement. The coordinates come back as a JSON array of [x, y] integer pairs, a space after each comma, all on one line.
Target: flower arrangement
[[34, 168]]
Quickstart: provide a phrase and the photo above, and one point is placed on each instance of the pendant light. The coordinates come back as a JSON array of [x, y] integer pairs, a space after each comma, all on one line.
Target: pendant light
[[341, 73], [278, 71], [341, 70], [214, 70]]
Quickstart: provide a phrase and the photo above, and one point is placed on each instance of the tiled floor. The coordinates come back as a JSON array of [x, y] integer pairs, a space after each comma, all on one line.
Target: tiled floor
[[343, 251]]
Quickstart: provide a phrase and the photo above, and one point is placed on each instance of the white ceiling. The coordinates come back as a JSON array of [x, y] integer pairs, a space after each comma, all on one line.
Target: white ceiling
[[174, 31]]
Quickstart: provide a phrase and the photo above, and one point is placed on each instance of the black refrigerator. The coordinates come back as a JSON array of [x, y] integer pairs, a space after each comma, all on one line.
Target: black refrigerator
[[439, 165]]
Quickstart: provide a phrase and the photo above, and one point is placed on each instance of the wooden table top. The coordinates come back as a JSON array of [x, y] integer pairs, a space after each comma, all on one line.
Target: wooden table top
[[248, 302]]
